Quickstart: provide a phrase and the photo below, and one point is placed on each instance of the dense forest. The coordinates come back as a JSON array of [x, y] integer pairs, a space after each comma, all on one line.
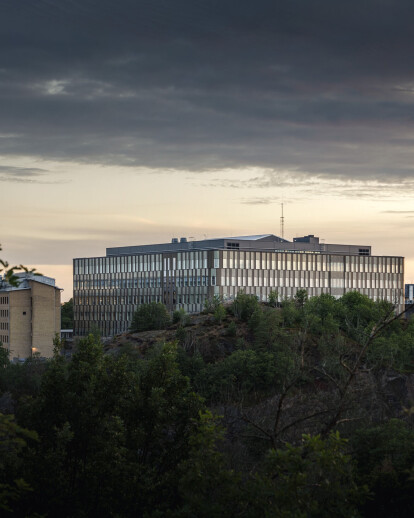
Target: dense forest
[[295, 408]]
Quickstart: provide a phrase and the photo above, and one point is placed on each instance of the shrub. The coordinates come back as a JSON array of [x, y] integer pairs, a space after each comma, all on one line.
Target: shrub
[[150, 316], [232, 329], [244, 306], [181, 335], [181, 317], [219, 313], [211, 304], [273, 299]]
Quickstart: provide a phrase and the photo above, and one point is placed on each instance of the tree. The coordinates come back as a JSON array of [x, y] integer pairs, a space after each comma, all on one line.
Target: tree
[[150, 316], [314, 479], [301, 297], [113, 432], [8, 274], [244, 305], [385, 461], [273, 298], [12, 441], [209, 489], [211, 303], [181, 318], [219, 313], [67, 314]]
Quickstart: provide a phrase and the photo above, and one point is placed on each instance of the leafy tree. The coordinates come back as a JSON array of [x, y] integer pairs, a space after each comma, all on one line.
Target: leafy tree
[[273, 298], [13, 439], [385, 458], [4, 357], [290, 314], [243, 372], [358, 314], [322, 314], [301, 297], [181, 317], [112, 434], [232, 329], [150, 316], [8, 274], [212, 303], [395, 349], [209, 489], [244, 306], [67, 315], [126, 435], [314, 479], [219, 314]]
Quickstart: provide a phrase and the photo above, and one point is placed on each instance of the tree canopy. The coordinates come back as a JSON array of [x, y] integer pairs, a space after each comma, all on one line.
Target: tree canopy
[[302, 411]]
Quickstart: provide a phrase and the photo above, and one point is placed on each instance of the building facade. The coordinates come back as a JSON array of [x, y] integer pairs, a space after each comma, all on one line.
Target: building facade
[[409, 293], [183, 274], [29, 316]]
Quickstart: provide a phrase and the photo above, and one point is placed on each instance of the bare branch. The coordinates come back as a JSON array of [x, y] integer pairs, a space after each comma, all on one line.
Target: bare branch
[[258, 427], [330, 378], [376, 330]]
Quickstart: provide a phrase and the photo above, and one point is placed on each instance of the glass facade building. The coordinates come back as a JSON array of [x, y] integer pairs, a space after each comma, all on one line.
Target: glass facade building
[[107, 290]]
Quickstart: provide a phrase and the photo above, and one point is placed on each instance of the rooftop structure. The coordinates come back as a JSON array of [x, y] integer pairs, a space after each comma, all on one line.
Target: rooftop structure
[[183, 274], [264, 242]]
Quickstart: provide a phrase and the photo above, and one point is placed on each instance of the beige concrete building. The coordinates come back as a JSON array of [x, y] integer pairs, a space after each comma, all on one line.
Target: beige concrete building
[[183, 274], [29, 316]]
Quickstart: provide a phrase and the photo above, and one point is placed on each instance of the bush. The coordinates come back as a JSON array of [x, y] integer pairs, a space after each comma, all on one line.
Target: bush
[[243, 372], [150, 316], [244, 306], [181, 335], [232, 329], [181, 317], [211, 304], [219, 313], [273, 299]]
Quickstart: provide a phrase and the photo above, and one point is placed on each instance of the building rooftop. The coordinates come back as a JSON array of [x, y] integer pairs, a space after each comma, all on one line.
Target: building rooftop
[[24, 278], [264, 242], [258, 237]]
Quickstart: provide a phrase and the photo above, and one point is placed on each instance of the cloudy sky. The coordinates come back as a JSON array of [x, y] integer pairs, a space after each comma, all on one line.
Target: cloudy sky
[[133, 121]]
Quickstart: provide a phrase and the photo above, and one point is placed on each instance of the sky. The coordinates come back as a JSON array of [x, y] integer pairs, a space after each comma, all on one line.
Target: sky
[[135, 121]]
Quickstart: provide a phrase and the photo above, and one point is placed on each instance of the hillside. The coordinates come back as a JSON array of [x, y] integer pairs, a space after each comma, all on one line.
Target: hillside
[[297, 409]]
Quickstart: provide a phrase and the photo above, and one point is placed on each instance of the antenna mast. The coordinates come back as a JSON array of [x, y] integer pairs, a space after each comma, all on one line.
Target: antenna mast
[[282, 225]]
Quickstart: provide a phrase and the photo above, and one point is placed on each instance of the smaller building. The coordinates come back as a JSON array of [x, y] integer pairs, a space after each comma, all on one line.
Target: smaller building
[[409, 300], [29, 316]]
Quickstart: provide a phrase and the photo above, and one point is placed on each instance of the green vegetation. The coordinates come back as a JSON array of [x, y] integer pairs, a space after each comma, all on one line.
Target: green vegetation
[[181, 318], [294, 408], [8, 273], [219, 314], [211, 304], [67, 315], [244, 306], [149, 317]]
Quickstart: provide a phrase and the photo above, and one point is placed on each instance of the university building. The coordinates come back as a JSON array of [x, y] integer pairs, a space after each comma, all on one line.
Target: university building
[[29, 315], [183, 274]]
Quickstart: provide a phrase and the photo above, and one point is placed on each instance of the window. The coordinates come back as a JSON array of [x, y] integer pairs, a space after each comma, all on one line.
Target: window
[[364, 251]]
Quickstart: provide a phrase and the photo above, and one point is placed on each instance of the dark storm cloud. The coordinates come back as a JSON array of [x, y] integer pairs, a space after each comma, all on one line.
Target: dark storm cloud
[[317, 88]]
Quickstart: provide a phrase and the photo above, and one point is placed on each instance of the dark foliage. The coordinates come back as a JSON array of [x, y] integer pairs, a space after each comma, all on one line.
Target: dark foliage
[[315, 418], [149, 317], [67, 315]]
